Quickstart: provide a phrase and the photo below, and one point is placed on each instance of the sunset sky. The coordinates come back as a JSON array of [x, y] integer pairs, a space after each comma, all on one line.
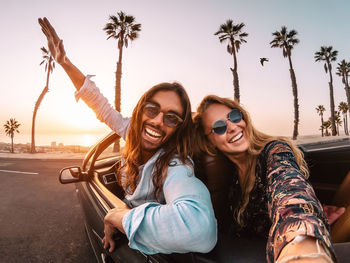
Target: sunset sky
[[177, 43]]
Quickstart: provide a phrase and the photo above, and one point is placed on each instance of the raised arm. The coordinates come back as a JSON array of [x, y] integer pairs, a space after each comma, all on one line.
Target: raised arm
[[57, 51], [86, 89]]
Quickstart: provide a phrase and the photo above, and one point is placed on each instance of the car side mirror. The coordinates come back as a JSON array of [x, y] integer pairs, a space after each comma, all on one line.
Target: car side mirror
[[71, 175]]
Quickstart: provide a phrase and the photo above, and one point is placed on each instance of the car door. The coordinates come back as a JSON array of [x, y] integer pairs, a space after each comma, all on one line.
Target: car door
[[98, 195]]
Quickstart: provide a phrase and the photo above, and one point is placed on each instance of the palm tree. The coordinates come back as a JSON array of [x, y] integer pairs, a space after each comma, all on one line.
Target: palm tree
[[328, 55], [123, 29], [320, 110], [344, 71], [286, 40], [343, 108], [11, 127], [49, 66], [337, 120], [235, 37], [326, 125]]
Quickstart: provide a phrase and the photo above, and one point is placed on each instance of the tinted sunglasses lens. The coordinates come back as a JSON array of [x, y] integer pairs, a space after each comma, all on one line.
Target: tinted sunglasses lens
[[219, 127], [151, 110], [235, 116], [170, 120]]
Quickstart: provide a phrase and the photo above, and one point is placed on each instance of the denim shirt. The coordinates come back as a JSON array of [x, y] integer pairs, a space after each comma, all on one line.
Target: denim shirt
[[183, 221]]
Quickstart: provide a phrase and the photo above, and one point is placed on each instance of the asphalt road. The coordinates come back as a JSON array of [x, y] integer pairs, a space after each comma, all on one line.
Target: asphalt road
[[40, 219]]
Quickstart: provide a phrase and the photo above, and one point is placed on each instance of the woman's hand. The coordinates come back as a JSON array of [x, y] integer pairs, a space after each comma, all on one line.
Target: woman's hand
[[308, 249], [333, 212], [55, 44], [113, 221]]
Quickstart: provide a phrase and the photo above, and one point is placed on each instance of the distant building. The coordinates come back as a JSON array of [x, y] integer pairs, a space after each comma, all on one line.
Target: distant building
[[53, 145]]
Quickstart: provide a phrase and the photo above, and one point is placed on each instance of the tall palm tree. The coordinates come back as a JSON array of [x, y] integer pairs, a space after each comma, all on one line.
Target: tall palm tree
[[11, 126], [122, 28], [232, 33], [337, 120], [329, 55], [343, 70], [320, 110], [49, 66], [343, 108], [286, 40]]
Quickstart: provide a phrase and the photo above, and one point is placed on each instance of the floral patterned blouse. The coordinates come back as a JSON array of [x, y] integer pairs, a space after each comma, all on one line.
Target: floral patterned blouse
[[282, 204]]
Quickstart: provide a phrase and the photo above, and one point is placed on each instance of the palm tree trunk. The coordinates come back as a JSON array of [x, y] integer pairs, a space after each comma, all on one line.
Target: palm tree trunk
[[331, 94], [347, 92], [345, 124], [117, 98], [322, 125], [295, 95], [37, 105], [338, 129], [12, 135], [118, 77], [235, 74], [32, 145]]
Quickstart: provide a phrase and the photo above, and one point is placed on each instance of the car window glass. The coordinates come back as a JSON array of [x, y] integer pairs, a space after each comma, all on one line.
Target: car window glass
[[108, 151]]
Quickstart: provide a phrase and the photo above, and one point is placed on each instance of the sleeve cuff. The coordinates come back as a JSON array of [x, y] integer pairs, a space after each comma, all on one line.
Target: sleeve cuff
[[79, 93]]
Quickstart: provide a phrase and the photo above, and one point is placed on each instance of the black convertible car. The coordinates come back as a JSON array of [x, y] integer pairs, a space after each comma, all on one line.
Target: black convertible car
[[98, 192]]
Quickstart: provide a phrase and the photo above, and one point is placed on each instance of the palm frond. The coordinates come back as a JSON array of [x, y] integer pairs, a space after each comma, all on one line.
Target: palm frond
[[129, 19], [122, 28]]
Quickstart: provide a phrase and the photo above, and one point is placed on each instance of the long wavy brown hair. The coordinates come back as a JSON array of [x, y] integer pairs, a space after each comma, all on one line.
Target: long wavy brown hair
[[178, 144], [257, 141]]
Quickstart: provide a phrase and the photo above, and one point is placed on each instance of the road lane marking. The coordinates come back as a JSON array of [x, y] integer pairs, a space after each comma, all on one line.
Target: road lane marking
[[17, 172]]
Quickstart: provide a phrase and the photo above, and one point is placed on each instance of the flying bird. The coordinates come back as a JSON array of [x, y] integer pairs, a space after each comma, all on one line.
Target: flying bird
[[262, 60]]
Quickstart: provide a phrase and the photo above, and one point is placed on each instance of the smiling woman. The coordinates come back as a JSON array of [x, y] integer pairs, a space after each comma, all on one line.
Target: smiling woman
[[269, 195]]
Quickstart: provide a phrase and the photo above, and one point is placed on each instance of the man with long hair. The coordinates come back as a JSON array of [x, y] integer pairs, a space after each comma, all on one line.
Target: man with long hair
[[169, 208]]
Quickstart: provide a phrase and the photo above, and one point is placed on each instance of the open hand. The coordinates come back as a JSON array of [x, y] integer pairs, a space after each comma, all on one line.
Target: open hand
[[113, 221], [55, 44], [108, 241]]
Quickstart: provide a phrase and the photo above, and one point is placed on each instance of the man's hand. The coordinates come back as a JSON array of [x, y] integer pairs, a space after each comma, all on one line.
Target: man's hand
[[113, 221], [55, 44]]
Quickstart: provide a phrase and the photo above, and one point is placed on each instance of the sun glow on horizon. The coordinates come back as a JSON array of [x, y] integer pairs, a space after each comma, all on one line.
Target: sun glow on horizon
[[88, 140]]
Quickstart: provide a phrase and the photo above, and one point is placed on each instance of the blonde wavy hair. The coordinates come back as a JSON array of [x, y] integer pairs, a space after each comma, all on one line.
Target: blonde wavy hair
[[257, 141]]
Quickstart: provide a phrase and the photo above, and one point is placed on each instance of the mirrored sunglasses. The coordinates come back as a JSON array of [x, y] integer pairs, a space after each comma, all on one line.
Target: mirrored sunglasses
[[219, 127], [170, 119]]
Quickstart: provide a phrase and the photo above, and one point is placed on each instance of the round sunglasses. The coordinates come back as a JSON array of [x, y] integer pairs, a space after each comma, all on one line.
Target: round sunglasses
[[170, 119], [219, 127]]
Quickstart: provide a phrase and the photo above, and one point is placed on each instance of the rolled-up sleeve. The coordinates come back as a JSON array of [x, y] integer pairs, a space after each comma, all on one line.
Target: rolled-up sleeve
[[92, 96], [293, 206], [186, 223]]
